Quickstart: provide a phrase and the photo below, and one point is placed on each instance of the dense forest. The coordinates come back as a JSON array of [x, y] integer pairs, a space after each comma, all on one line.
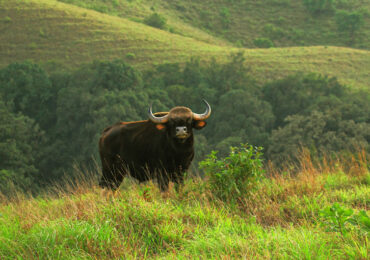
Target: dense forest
[[51, 121]]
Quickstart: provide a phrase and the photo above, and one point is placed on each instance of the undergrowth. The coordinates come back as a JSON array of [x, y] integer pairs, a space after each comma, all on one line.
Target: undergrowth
[[320, 211]]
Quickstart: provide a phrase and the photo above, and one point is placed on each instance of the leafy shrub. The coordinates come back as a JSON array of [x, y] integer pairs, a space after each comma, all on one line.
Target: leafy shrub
[[130, 56], [319, 6], [156, 20], [297, 93], [7, 19], [225, 17], [323, 133], [339, 219], [234, 176], [349, 22], [28, 88], [263, 43], [20, 142], [273, 32]]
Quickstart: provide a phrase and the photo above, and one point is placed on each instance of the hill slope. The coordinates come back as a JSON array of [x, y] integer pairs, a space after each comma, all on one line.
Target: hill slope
[[50, 31], [284, 22]]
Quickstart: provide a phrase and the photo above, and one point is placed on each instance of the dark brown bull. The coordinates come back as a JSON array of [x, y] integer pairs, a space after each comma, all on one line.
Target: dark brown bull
[[161, 147]]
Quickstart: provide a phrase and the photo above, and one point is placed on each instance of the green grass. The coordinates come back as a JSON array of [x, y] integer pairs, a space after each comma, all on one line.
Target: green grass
[[58, 33], [285, 22], [281, 219]]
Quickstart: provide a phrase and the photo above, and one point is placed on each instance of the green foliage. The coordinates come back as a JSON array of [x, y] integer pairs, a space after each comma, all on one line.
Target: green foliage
[[96, 96], [339, 219], [29, 89], [225, 17], [72, 108], [240, 113], [7, 19], [263, 43], [235, 176], [273, 32], [296, 94], [130, 56], [318, 113], [323, 133], [336, 218], [349, 22], [156, 20], [20, 143], [319, 6]]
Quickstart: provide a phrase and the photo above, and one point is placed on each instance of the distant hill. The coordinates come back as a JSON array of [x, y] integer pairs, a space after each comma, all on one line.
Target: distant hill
[[239, 22], [51, 32]]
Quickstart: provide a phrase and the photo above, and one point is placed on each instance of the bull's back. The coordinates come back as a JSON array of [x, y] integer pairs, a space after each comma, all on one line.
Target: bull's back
[[128, 139]]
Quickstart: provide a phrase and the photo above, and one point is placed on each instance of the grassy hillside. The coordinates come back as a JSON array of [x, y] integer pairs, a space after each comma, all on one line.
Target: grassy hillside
[[284, 217], [52, 32], [285, 22]]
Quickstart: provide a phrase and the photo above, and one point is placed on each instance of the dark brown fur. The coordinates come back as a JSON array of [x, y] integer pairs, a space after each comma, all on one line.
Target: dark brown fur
[[146, 152]]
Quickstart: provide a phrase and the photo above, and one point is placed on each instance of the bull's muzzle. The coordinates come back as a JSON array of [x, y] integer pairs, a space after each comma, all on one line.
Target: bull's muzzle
[[181, 132]]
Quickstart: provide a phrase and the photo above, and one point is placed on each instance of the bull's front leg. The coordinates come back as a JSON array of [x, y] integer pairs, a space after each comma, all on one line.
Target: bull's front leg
[[178, 177], [163, 179]]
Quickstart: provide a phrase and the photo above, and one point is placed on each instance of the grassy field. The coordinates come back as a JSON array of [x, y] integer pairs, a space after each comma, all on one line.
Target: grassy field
[[285, 22], [57, 34], [282, 218]]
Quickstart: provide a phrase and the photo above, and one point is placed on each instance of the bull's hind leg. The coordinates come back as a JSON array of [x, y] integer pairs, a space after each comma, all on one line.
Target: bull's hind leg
[[178, 179], [113, 174], [163, 181]]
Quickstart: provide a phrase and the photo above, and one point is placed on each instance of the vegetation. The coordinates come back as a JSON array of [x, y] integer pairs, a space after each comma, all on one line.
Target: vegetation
[[317, 213], [240, 22], [319, 6], [234, 177], [156, 20], [60, 116], [349, 22], [63, 35], [82, 65], [263, 43]]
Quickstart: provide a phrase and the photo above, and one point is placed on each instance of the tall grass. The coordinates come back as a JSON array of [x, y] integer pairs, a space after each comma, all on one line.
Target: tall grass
[[281, 218]]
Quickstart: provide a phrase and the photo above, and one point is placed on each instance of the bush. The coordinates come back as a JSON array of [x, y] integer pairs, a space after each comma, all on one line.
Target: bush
[[337, 219], [156, 20], [225, 17], [273, 32], [234, 176], [130, 56], [263, 43], [319, 6], [349, 22]]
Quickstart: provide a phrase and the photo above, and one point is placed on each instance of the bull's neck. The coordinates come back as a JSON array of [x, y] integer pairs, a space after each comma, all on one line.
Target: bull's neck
[[181, 147]]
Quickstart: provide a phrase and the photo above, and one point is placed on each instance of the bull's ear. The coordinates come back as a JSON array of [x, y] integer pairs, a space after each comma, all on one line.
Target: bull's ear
[[160, 127], [199, 124]]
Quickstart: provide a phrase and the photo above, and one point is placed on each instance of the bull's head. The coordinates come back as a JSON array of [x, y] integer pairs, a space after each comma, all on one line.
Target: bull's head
[[180, 121]]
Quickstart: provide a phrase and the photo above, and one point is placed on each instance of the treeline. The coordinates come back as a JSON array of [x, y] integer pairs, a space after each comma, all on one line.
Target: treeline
[[52, 121]]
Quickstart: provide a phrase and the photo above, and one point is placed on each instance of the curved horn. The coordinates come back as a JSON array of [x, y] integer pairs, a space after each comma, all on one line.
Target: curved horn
[[205, 115], [157, 120]]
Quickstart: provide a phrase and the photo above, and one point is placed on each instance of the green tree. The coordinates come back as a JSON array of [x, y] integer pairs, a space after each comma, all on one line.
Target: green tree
[[241, 114], [319, 6], [29, 89], [156, 20], [349, 22], [20, 142], [263, 43], [322, 133], [298, 93], [96, 96]]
